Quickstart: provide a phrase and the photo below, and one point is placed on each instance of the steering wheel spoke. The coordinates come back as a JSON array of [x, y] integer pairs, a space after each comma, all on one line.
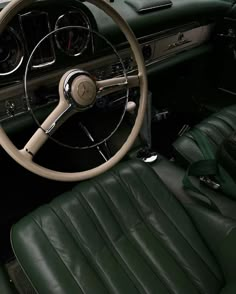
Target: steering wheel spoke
[[110, 86], [60, 114]]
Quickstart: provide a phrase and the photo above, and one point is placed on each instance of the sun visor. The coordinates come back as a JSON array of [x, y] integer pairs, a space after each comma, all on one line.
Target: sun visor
[[145, 6]]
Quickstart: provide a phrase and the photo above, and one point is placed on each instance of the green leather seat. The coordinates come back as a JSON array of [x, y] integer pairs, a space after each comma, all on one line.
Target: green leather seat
[[172, 175], [125, 232], [216, 127]]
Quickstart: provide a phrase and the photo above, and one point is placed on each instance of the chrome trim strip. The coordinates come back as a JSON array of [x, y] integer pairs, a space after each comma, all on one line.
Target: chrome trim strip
[[150, 37], [44, 64], [167, 5]]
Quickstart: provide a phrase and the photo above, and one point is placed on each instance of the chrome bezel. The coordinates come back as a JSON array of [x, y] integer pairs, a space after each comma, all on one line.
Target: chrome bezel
[[88, 26], [67, 89], [20, 42], [44, 64]]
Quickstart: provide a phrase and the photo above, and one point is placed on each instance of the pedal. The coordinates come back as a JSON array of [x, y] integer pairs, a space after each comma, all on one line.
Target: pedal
[[160, 115]]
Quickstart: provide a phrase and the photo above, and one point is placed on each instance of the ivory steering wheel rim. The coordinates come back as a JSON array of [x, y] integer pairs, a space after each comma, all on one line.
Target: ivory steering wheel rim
[[24, 158]]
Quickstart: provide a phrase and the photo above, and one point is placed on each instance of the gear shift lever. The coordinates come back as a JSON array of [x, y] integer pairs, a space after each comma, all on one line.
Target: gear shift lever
[[145, 132], [146, 153]]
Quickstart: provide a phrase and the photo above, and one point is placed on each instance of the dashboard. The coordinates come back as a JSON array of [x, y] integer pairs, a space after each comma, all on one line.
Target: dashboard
[[72, 31]]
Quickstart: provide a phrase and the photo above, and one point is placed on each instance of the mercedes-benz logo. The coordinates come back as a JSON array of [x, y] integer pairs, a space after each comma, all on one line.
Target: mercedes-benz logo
[[84, 89]]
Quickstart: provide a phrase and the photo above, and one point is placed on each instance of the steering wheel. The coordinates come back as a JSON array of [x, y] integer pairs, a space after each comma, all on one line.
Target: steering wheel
[[82, 99]]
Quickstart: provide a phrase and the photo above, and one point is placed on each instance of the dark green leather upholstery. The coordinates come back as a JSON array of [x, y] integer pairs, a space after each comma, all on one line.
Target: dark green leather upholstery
[[125, 232], [172, 175], [217, 127]]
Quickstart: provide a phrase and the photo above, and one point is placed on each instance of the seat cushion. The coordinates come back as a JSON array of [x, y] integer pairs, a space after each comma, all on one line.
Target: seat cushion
[[216, 127], [123, 232]]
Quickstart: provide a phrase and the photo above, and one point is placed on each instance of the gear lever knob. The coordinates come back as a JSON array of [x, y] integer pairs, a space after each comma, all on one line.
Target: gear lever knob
[[131, 106]]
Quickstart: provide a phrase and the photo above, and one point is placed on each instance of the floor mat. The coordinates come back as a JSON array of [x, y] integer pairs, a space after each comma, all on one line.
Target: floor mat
[[19, 279]]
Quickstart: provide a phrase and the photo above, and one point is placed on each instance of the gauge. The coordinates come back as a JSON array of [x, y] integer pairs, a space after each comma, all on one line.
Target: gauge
[[72, 41], [11, 52], [35, 25]]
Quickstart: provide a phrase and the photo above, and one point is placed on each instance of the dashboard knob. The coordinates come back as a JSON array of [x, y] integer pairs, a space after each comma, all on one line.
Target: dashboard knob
[[10, 108]]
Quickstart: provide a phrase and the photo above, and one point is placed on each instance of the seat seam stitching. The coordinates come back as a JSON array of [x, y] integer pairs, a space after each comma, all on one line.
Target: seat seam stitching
[[208, 135], [228, 112], [134, 242], [57, 254], [205, 133], [88, 258], [20, 263], [155, 200], [230, 124], [224, 121], [216, 128], [112, 248], [155, 234]]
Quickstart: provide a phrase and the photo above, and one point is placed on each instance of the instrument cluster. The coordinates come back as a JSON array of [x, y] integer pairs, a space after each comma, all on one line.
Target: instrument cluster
[[20, 38]]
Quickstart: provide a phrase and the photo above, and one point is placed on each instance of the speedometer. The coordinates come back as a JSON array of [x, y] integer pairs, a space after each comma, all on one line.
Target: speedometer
[[11, 52], [72, 41]]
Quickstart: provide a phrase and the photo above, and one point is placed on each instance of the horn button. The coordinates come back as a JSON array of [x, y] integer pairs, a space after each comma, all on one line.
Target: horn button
[[83, 91]]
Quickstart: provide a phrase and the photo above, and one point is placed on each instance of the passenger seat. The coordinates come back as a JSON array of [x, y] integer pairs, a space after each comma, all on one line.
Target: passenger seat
[[186, 151], [216, 127]]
